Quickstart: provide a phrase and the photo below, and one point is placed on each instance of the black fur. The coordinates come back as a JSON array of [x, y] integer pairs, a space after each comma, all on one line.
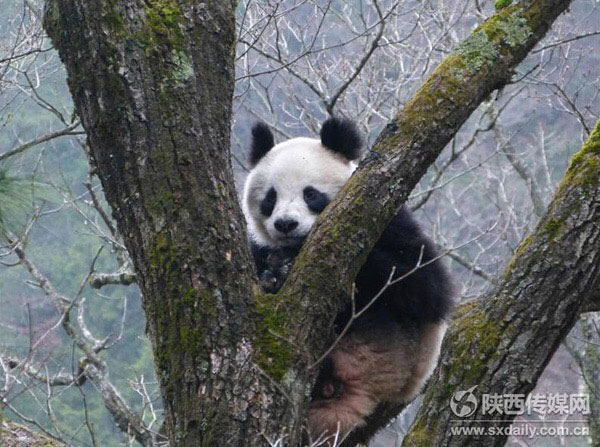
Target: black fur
[[268, 203], [328, 385], [342, 136], [315, 199], [423, 296], [262, 142], [273, 265]]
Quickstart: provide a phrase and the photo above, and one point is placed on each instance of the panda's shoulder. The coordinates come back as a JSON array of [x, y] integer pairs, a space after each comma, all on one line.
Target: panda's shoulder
[[404, 231]]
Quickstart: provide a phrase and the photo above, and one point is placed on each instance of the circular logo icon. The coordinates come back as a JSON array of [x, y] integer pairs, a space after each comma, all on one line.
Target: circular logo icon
[[464, 403]]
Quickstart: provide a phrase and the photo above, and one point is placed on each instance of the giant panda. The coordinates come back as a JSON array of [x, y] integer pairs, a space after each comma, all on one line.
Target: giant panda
[[391, 349]]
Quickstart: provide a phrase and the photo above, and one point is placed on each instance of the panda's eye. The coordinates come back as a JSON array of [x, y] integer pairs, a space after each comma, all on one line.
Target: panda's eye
[[315, 199], [310, 194], [268, 203]]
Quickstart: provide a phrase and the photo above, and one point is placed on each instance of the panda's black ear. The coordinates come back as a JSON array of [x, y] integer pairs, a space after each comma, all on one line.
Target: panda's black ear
[[262, 142], [342, 136]]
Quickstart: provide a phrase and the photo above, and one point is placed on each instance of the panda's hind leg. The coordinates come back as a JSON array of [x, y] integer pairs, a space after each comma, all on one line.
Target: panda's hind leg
[[366, 368], [341, 411], [425, 360]]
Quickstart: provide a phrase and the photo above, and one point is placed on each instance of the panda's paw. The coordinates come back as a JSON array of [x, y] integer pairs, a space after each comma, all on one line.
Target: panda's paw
[[268, 281], [279, 264], [332, 388]]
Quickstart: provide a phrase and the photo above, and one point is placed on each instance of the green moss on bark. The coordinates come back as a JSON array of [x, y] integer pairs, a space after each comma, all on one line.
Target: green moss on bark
[[553, 228], [52, 19], [508, 26], [275, 353], [180, 332], [525, 243], [584, 168], [476, 50], [474, 57], [475, 336], [420, 435], [479, 51], [182, 67], [163, 18], [500, 4], [585, 165]]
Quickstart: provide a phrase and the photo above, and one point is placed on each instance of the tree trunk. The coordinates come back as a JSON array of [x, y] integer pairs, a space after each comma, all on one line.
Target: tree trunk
[[152, 82], [502, 343]]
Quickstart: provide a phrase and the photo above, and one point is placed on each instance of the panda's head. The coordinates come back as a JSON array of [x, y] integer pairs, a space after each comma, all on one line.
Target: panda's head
[[292, 182]]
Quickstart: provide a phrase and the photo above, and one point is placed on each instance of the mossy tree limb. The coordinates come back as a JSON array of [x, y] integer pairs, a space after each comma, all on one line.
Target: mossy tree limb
[[350, 226], [16, 435], [502, 342]]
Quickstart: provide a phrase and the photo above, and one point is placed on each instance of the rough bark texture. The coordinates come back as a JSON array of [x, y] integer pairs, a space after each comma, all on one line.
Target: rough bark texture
[[152, 83], [502, 343]]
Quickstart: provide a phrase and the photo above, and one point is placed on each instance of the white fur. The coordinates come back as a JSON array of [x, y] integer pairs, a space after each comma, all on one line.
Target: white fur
[[289, 168]]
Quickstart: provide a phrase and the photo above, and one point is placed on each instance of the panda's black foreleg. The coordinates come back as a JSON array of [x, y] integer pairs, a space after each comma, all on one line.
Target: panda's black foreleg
[[273, 265]]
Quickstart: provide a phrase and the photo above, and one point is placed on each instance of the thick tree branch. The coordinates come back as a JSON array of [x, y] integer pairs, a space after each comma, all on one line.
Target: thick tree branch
[[152, 82], [503, 342], [344, 234]]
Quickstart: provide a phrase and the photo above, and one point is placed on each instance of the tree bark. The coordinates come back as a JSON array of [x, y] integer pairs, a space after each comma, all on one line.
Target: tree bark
[[152, 82], [502, 343], [16, 435]]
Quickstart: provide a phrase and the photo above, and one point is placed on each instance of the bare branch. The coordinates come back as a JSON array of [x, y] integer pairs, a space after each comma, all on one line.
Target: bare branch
[[50, 136]]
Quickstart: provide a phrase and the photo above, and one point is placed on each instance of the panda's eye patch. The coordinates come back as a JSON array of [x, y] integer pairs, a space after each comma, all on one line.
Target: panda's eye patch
[[268, 203], [315, 199]]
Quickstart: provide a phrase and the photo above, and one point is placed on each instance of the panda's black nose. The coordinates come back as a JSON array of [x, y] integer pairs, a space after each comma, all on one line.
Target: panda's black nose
[[285, 225]]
